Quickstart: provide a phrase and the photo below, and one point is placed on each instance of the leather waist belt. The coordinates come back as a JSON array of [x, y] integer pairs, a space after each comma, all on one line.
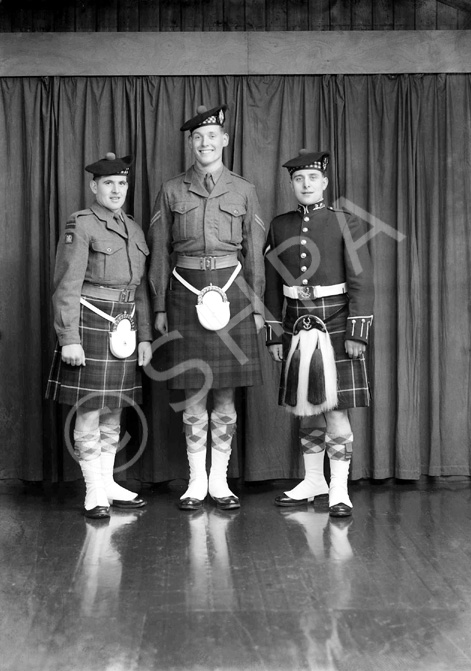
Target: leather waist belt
[[108, 294], [310, 292], [206, 262]]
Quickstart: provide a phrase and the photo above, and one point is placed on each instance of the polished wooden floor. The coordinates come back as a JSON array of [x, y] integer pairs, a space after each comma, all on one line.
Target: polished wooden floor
[[261, 588]]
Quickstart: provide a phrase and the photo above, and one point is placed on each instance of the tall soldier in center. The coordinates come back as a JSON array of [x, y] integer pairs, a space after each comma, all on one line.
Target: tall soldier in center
[[207, 282]]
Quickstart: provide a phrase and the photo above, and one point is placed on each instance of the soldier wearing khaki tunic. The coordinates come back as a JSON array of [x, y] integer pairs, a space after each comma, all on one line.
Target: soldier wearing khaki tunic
[[207, 232], [319, 302], [100, 287]]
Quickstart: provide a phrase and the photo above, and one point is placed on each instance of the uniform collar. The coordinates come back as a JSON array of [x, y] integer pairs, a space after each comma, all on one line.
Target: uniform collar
[[202, 172], [108, 217], [194, 177], [308, 209]]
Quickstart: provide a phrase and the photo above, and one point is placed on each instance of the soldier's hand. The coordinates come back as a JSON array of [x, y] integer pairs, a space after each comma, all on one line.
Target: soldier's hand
[[73, 355], [354, 348], [161, 323], [144, 353], [276, 352]]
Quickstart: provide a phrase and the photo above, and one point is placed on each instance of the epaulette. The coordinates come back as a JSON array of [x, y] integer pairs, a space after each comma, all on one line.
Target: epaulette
[[283, 215], [72, 220], [336, 209], [235, 174], [82, 213], [176, 177]]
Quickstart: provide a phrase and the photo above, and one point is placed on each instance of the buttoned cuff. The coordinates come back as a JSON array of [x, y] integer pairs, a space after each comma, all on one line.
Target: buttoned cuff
[[274, 333], [358, 328]]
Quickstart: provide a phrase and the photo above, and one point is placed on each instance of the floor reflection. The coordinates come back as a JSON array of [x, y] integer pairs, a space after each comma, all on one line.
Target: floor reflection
[[210, 584], [258, 589], [97, 577], [328, 542]]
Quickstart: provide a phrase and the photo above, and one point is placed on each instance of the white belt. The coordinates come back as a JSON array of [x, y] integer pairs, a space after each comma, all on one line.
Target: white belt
[[97, 311], [198, 291], [311, 292]]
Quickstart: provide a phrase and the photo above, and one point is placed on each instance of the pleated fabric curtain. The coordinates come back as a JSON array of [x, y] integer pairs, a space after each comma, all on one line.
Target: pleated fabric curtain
[[401, 157]]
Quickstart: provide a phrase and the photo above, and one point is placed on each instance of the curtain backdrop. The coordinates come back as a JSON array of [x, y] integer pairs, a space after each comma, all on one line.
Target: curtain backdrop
[[401, 156]]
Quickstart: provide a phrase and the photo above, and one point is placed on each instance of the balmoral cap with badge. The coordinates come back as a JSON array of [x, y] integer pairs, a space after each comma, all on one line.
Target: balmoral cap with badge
[[204, 117], [110, 165], [306, 160]]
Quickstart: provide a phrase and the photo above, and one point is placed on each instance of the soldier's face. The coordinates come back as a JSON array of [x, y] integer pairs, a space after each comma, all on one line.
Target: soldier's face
[[207, 143], [110, 191], [309, 186]]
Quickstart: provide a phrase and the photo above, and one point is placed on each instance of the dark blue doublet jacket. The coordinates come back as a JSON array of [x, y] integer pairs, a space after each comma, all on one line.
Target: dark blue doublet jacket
[[318, 245]]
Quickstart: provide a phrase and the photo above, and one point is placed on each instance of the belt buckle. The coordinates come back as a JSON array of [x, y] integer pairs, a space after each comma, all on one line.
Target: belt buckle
[[306, 293], [124, 296], [208, 263]]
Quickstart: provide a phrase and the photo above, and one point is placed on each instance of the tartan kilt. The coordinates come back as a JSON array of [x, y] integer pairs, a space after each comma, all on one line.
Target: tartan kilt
[[352, 376], [229, 356], [110, 382]]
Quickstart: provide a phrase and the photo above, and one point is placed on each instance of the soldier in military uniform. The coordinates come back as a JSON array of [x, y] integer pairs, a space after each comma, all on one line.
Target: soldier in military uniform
[[206, 232], [319, 303], [100, 288]]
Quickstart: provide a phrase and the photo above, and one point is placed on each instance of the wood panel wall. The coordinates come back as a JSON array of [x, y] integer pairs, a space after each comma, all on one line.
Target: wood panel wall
[[232, 15]]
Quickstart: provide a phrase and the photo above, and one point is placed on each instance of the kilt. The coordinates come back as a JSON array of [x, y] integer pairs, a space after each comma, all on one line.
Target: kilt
[[352, 377], [216, 359], [110, 382]]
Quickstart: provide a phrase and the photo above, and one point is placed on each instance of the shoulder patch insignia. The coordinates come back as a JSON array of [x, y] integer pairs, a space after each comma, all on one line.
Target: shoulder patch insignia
[[69, 238]]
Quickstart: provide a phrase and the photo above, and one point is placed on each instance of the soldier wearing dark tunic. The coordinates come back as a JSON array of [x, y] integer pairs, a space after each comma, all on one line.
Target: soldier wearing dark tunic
[[319, 304], [206, 231], [100, 281]]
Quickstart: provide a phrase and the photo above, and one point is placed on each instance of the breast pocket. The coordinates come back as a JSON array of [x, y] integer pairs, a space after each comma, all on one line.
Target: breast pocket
[[185, 220], [230, 222], [105, 258]]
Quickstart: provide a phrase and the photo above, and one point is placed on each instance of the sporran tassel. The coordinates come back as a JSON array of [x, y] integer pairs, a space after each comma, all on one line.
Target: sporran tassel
[[292, 376], [316, 382], [310, 365]]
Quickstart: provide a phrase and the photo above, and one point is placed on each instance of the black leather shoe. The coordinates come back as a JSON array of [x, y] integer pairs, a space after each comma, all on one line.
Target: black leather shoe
[[190, 504], [288, 501], [97, 513], [134, 503], [340, 510], [226, 502]]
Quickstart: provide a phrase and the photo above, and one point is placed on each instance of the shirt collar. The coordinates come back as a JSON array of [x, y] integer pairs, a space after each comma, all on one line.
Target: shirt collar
[[201, 172]]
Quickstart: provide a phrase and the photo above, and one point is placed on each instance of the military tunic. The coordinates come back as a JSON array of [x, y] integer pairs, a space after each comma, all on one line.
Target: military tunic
[[98, 249], [319, 246], [190, 222]]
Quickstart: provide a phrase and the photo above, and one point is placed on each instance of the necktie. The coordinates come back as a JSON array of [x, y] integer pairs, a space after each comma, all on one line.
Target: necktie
[[120, 222], [208, 182]]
